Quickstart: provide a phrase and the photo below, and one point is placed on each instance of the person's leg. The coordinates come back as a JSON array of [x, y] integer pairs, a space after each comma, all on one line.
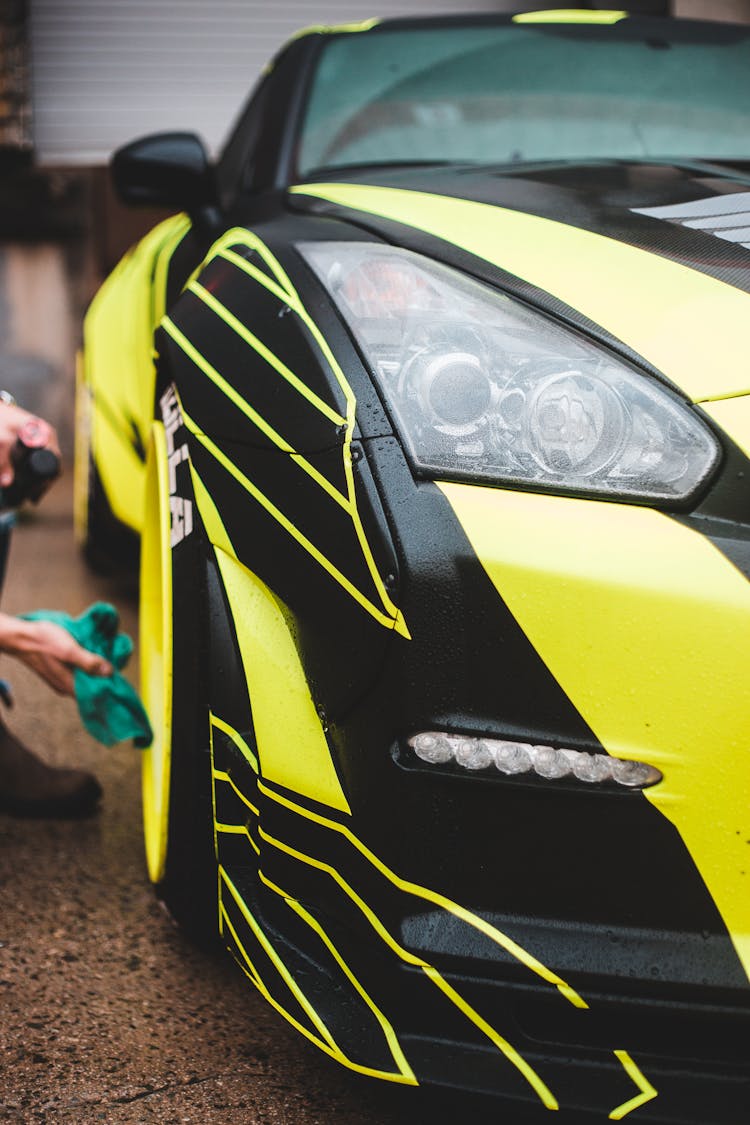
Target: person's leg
[[29, 787]]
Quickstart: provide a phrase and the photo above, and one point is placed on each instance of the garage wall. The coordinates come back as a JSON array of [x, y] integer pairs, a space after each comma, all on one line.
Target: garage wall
[[734, 11], [105, 72]]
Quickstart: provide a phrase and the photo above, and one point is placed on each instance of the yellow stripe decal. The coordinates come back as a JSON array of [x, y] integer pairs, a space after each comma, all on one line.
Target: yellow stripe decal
[[570, 15], [213, 787], [547, 1098], [647, 1091], [660, 308], [478, 923], [265, 353], [646, 626], [404, 955], [502, 1044], [286, 291], [190, 350], [283, 289], [252, 271], [208, 369], [274, 957], [389, 1034], [225, 923], [325, 1042], [221, 775], [733, 415], [293, 531], [236, 830], [237, 739]]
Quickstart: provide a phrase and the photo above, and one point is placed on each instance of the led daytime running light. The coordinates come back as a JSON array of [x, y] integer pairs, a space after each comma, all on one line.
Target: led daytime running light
[[518, 758]]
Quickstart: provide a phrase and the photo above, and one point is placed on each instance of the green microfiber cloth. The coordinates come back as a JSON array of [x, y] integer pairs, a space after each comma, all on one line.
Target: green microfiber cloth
[[110, 708]]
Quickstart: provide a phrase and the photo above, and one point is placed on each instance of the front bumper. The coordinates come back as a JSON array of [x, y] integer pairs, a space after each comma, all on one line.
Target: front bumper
[[395, 980]]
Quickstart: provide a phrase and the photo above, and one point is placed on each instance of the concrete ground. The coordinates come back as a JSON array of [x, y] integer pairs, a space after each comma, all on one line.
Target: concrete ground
[[106, 1012]]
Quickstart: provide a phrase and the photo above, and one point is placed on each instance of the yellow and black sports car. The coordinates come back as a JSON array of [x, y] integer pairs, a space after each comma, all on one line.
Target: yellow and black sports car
[[442, 473]]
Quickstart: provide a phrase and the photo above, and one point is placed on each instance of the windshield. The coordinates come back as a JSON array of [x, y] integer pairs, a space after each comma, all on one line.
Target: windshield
[[511, 92]]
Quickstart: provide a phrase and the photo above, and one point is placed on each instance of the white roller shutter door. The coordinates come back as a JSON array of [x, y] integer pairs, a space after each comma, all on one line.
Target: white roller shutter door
[[106, 71]]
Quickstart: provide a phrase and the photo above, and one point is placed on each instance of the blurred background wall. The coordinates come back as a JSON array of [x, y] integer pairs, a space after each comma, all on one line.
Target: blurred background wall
[[80, 77]]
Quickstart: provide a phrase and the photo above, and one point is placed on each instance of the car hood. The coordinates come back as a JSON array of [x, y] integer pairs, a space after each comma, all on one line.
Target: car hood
[[653, 258]]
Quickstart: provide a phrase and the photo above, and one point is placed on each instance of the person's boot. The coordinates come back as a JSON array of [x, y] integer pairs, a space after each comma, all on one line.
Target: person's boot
[[29, 787]]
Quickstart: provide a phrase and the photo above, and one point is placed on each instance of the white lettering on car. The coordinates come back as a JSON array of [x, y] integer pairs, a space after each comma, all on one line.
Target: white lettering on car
[[180, 507]]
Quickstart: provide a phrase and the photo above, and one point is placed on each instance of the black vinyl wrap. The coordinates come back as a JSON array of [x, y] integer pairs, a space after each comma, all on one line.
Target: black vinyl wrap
[[292, 415]]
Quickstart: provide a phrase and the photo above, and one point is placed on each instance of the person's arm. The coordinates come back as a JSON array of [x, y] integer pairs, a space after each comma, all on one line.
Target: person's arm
[[50, 651]]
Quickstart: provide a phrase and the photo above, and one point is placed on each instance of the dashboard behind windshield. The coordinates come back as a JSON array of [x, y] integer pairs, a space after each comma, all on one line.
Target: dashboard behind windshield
[[511, 93]]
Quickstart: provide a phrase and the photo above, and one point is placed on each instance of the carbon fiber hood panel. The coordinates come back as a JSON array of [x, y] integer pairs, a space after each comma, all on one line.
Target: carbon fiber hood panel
[[651, 206]]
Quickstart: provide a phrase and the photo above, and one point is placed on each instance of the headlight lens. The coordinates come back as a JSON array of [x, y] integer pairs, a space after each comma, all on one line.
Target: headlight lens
[[481, 386]]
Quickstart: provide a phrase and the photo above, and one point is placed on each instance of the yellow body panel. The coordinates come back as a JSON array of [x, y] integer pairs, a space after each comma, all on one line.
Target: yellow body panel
[[658, 307], [284, 714], [118, 364], [646, 626], [292, 746]]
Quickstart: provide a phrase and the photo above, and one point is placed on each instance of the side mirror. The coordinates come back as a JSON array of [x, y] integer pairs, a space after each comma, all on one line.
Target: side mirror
[[165, 170]]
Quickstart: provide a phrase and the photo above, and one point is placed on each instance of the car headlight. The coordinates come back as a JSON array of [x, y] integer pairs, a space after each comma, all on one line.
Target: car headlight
[[481, 386]]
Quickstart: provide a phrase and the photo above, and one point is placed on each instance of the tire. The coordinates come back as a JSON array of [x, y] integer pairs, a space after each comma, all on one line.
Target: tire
[[177, 793]]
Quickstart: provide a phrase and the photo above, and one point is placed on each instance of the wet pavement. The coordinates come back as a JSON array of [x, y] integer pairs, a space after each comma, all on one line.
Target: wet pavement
[[106, 1012]]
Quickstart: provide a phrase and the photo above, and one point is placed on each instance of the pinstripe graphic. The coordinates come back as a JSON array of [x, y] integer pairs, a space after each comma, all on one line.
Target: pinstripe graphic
[[182, 341], [430, 971], [324, 1041], [284, 972], [254, 829], [388, 1032], [502, 1044], [251, 339], [374, 611], [658, 307], [387, 613], [501, 939], [647, 1091], [238, 741]]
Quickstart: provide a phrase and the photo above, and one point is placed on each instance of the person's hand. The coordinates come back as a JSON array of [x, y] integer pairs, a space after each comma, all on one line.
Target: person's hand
[[50, 651], [12, 421]]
